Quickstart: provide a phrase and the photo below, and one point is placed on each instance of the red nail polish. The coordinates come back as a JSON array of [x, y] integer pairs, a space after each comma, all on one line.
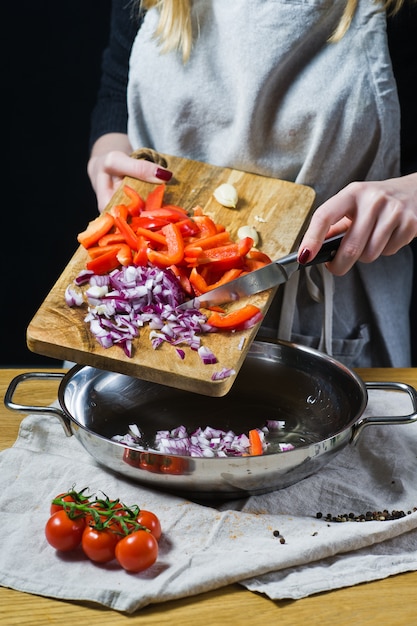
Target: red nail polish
[[304, 256], [164, 175]]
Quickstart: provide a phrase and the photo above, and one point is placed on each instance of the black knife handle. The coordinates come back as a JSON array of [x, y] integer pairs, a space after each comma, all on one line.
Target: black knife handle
[[327, 251]]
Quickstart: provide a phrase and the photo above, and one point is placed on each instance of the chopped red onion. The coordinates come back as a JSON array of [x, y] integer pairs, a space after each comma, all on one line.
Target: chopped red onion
[[128, 298], [225, 372], [208, 442], [73, 297], [206, 355]]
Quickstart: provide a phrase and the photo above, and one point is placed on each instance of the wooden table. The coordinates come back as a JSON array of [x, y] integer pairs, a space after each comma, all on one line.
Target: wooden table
[[389, 602]]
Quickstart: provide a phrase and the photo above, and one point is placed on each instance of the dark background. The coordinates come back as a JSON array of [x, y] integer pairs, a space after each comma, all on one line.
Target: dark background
[[52, 60], [52, 53]]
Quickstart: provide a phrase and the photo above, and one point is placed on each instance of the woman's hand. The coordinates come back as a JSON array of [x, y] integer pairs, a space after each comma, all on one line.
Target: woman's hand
[[110, 162], [378, 217]]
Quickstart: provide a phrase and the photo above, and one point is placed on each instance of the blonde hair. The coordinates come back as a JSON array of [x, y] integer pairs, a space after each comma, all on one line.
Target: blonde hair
[[174, 27], [174, 30]]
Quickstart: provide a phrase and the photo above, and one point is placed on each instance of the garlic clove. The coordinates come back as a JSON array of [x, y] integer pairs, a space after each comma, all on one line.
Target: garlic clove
[[226, 195], [249, 231]]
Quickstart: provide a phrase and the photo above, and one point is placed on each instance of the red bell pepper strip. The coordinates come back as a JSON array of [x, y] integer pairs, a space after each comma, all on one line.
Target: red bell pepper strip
[[110, 239], [152, 236], [175, 248], [227, 277], [174, 208], [257, 255], [188, 227], [155, 198], [129, 235], [198, 283], [255, 443], [95, 230], [183, 278], [124, 256], [204, 243], [224, 257], [141, 255], [168, 213], [104, 263], [206, 225], [96, 251], [245, 245], [137, 203], [150, 223], [119, 210], [235, 319]]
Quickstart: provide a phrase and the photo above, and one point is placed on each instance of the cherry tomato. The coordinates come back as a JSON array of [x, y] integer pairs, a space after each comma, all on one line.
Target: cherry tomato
[[67, 497], [137, 551], [99, 545], [151, 522], [63, 533]]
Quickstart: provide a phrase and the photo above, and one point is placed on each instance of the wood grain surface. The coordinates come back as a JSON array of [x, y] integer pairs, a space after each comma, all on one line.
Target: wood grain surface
[[387, 602], [276, 208]]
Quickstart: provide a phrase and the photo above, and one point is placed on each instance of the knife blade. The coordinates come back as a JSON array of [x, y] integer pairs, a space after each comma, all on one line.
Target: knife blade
[[270, 275]]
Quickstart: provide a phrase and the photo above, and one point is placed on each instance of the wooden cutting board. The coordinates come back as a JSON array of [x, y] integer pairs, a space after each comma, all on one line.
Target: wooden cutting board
[[276, 208]]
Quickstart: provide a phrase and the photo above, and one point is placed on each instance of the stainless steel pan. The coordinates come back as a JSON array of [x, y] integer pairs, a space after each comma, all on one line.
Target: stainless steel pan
[[321, 401]]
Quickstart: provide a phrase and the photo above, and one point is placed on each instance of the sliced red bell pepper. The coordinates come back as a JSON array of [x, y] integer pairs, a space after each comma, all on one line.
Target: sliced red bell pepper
[[257, 255], [129, 235], [95, 230], [124, 256], [104, 263], [96, 251], [110, 239], [206, 225], [223, 257], [141, 255], [188, 228], [175, 248], [152, 236], [201, 286], [137, 203], [204, 243], [170, 214], [150, 223], [226, 278], [235, 319], [174, 208], [198, 283], [245, 245], [119, 210], [183, 278], [255, 443], [155, 198]]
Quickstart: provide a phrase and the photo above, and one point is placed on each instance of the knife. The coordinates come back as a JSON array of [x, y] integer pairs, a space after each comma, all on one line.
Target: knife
[[270, 275]]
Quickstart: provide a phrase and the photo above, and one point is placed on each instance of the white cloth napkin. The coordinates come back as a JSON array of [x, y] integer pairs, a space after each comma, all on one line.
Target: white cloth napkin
[[204, 547]]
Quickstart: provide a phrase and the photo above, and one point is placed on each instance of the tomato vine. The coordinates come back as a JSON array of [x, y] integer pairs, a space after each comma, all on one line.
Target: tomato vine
[[105, 528]]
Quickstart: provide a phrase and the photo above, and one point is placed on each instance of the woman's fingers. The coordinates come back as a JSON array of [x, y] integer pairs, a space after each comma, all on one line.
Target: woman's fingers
[[119, 164], [107, 170], [378, 218]]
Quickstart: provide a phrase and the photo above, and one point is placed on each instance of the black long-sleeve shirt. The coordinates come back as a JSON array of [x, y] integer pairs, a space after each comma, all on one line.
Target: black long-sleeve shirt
[[110, 112]]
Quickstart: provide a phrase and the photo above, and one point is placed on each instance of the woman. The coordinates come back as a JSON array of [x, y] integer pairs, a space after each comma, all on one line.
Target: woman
[[303, 92]]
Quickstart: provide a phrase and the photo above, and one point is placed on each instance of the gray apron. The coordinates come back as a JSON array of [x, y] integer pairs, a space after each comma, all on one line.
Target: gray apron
[[264, 92]]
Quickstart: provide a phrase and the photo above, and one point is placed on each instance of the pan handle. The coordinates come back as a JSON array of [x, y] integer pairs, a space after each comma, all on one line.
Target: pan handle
[[27, 408], [387, 419]]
